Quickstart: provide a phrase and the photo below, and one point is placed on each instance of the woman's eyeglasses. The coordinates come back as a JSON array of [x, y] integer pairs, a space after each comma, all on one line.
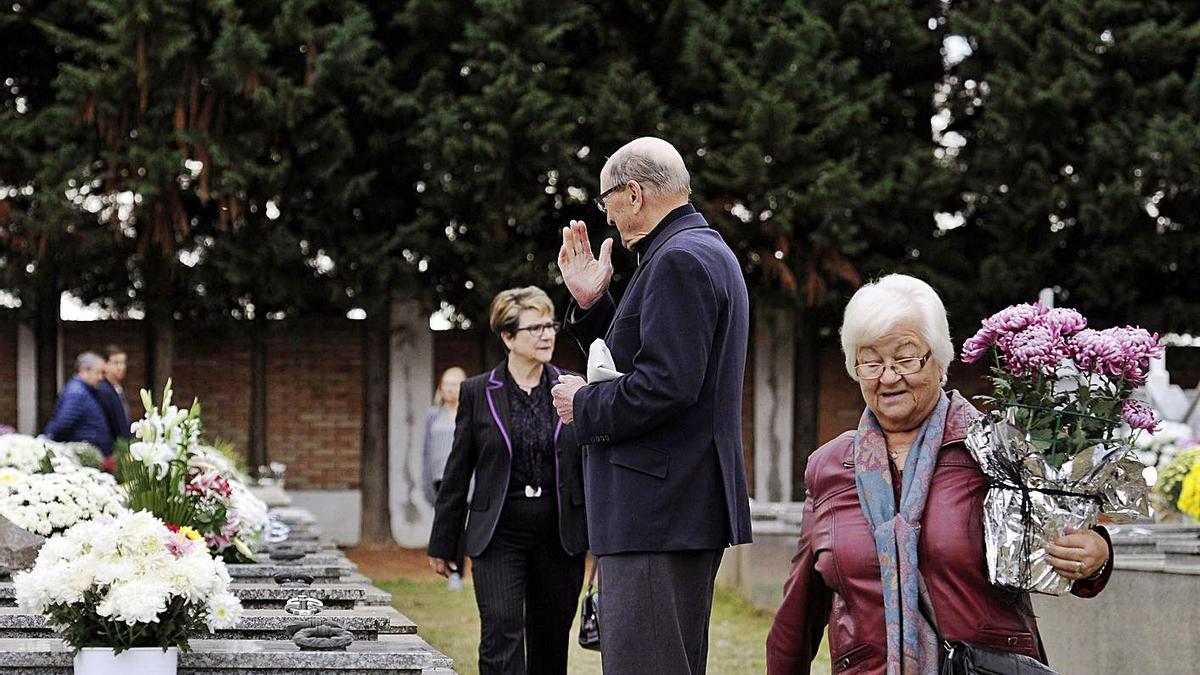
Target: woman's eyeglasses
[[874, 371], [539, 329]]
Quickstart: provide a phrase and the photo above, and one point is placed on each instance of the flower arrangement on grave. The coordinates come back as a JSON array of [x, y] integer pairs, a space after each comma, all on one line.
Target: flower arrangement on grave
[[48, 503], [170, 474], [21, 452], [1056, 447], [128, 582], [29, 454], [76, 454], [1157, 448], [1177, 489]]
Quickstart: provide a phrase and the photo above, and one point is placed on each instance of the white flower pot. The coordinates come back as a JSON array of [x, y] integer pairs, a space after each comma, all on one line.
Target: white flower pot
[[140, 660]]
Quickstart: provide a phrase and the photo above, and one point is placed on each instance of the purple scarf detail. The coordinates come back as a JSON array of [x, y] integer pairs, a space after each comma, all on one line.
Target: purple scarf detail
[[911, 643]]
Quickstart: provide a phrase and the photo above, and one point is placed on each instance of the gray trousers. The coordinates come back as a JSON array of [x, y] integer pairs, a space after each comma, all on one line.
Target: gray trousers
[[654, 611]]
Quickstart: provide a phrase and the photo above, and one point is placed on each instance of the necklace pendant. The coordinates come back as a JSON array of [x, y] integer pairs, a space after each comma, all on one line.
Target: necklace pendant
[[530, 491]]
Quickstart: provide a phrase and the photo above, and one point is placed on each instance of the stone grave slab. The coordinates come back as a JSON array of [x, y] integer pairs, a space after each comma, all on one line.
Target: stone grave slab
[[258, 572], [366, 623], [396, 655]]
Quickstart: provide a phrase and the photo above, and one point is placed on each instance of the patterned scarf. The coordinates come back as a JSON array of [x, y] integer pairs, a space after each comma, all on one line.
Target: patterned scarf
[[911, 642]]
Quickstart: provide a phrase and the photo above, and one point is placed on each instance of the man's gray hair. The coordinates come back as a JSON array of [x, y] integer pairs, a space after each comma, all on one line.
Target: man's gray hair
[[876, 309], [88, 360], [653, 162]]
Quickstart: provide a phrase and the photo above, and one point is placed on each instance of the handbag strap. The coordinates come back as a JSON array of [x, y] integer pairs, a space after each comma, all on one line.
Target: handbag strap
[[927, 612]]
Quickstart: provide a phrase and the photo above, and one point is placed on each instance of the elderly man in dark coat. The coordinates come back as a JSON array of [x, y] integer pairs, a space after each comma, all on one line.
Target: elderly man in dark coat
[[664, 475]]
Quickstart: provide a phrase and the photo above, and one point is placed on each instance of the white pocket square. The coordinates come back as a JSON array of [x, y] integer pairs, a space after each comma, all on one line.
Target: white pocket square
[[600, 367]]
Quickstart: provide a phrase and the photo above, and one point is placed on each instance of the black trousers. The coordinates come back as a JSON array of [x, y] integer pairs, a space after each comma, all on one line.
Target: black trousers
[[527, 589], [654, 611]]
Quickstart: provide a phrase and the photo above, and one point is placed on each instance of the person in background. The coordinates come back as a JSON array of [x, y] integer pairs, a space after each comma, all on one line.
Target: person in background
[[112, 398], [439, 438], [526, 528], [79, 415], [116, 361]]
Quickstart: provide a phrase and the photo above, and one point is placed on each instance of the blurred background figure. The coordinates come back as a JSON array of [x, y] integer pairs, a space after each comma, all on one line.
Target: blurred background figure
[[116, 361], [112, 399], [79, 414], [439, 438]]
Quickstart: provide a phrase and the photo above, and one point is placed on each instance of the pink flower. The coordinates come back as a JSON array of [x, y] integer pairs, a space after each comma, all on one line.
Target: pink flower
[[1064, 320], [218, 542], [1013, 318], [1138, 415], [1037, 349], [1138, 346], [1096, 352], [178, 544], [977, 345]]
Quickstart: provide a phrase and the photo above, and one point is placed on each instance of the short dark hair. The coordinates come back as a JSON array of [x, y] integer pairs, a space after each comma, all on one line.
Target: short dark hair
[[110, 351]]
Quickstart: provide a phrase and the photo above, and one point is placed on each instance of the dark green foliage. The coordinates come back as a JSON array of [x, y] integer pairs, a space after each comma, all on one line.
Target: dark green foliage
[[341, 152], [1079, 167], [80, 626]]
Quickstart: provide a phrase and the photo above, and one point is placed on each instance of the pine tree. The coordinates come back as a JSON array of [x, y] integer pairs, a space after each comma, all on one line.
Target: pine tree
[[1077, 170]]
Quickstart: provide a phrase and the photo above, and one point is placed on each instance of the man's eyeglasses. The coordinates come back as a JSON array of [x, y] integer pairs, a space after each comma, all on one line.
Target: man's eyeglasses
[[874, 371], [539, 329], [603, 195]]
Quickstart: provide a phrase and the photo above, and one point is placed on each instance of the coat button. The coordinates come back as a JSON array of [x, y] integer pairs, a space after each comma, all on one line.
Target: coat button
[[1012, 641], [844, 664]]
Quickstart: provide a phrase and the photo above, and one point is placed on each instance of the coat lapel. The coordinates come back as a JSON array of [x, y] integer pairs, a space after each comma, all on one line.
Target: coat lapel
[[497, 400], [691, 221]]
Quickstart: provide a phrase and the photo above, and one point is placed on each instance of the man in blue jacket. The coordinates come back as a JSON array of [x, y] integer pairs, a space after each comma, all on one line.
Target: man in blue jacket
[[79, 415], [664, 476]]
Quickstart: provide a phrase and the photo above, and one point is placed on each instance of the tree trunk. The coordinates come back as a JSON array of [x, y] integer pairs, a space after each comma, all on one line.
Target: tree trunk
[[258, 393], [807, 395], [160, 348], [160, 322], [376, 513], [45, 330]]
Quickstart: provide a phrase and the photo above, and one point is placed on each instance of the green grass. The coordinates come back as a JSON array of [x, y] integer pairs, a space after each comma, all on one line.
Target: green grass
[[450, 622]]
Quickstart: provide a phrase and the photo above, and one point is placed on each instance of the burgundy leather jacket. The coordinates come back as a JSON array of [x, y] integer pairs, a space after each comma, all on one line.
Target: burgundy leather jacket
[[835, 574]]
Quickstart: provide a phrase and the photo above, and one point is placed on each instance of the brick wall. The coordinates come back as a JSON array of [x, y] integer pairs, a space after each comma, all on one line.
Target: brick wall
[[315, 402], [314, 388], [213, 365]]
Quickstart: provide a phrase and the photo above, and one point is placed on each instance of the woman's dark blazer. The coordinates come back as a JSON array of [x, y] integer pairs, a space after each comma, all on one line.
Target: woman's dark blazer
[[483, 450]]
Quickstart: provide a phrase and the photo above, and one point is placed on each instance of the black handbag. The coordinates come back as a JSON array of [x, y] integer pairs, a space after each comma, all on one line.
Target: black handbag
[[963, 658], [589, 613]]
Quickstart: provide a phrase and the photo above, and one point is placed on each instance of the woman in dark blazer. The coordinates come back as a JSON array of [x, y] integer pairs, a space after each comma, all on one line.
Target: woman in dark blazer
[[526, 531]]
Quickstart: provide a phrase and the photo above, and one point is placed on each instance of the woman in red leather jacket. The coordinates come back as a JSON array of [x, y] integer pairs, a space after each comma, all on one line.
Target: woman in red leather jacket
[[903, 490]]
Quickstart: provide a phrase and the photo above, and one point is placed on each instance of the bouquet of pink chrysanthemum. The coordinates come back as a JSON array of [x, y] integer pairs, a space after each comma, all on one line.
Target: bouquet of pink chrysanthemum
[[1054, 447]]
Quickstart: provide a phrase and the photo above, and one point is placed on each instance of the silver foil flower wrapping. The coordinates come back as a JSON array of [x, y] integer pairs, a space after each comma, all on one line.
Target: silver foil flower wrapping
[[1030, 502]]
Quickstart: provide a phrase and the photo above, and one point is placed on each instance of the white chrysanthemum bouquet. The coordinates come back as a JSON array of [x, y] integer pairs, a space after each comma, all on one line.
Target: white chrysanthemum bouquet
[[21, 452], [128, 582], [47, 503]]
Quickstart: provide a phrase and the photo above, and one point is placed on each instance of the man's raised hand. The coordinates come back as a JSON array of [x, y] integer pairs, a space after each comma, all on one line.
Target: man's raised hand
[[586, 276]]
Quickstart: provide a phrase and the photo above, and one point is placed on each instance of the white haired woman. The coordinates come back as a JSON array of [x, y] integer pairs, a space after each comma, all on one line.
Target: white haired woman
[[895, 505]]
